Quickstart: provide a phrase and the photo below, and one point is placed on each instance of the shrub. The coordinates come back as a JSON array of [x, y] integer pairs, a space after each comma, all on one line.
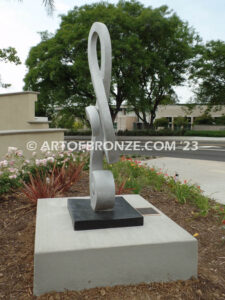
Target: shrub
[[220, 120], [78, 132], [15, 169], [7, 184], [148, 132], [161, 122], [205, 119], [181, 122], [51, 184]]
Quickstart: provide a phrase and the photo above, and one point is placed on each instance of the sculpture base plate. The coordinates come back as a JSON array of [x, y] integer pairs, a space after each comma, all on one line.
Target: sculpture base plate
[[84, 217]]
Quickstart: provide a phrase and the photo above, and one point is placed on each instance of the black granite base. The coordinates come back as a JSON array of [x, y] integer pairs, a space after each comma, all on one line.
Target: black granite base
[[84, 217]]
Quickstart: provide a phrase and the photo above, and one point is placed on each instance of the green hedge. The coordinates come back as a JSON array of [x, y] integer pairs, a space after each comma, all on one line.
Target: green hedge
[[83, 132], [163, 132], [209, 133]]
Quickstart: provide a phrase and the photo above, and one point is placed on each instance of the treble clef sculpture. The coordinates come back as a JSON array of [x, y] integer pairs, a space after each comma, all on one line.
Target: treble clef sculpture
[[102, 186]]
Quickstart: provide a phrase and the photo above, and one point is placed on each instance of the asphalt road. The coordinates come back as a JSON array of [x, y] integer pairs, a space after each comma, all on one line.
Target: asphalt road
[[214, 151], [204, 150]]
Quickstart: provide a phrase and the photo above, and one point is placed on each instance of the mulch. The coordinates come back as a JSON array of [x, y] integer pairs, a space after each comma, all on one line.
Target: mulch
[[17, 228]]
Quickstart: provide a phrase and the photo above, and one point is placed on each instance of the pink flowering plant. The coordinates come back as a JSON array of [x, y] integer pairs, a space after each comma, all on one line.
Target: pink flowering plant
[[16, 169]]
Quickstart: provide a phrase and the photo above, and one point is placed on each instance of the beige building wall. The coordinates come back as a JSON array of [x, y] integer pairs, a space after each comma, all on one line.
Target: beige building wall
[[19, 125], [125, 122], [167, 111], [21, 140], [17, 111], [183, 111]]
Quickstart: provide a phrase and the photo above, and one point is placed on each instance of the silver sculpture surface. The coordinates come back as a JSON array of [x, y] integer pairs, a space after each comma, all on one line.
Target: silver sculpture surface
[[102, 186]]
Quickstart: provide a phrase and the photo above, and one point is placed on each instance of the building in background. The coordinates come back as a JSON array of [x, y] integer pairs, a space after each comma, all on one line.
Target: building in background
[[128, 120]]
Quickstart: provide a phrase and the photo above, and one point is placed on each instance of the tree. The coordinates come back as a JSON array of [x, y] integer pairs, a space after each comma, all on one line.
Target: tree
[[8, 55], [151, 50], [208, 73], [180, 122], [168, 47]]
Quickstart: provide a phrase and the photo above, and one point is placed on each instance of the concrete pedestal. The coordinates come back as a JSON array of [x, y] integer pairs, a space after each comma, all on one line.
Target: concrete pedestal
[[160, 250]]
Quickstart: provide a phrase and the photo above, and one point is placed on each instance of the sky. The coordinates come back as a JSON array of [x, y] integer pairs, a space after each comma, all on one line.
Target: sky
[[20, 23]]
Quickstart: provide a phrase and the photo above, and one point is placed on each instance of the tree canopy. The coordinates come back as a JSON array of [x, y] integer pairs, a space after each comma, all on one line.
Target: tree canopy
[[151, 53], [209, 72], [8, 55]]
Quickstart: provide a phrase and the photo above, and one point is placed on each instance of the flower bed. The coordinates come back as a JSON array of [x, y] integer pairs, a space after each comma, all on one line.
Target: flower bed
[[54, 172], [17, 227], [136, 175], [16, 171]]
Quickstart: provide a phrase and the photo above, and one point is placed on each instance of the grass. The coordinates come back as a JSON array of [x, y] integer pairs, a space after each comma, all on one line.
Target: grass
[[136, 176]]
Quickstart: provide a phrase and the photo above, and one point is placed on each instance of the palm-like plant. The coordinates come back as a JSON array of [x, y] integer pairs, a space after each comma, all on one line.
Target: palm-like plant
[[49, 4]]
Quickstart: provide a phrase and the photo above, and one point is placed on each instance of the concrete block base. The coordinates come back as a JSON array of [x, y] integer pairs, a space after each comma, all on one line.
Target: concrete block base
[[75, 260]]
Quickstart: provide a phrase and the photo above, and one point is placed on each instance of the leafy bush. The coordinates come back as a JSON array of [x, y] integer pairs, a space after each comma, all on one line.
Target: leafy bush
[[161, 122], [7, 184], [163, 132], [78, 132], [220, 120], [77, 125], [205, 119], [15, 169], [181, 122], [51, 184]]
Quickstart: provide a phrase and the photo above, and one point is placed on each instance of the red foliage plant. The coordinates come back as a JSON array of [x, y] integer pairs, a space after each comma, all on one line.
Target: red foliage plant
[[49, 185], [120, 189]]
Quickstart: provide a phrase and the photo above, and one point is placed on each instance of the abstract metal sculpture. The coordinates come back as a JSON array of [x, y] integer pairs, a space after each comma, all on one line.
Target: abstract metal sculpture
[[102, 186]]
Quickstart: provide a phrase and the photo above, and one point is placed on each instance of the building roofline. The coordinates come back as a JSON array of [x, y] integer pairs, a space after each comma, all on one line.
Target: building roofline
[[19, 93]]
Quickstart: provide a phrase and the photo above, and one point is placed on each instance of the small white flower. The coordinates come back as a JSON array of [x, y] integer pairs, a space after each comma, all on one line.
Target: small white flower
[[4, 163], [43, 162], [51, 159], [12, 149]]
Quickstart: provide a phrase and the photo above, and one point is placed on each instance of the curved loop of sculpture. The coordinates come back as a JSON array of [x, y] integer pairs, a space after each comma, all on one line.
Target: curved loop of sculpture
[[102, 186]]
